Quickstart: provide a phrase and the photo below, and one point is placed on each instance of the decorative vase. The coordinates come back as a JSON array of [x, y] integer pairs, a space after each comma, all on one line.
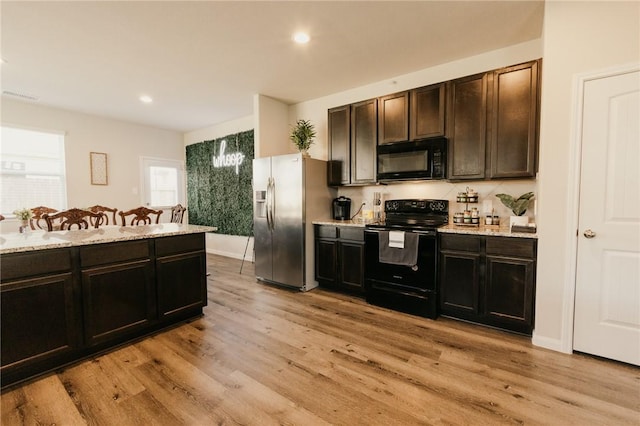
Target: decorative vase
[[305, 153], [24, 227]]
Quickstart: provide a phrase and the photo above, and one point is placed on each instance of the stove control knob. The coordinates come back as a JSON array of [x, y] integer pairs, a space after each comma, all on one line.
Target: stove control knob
[[437, 206]]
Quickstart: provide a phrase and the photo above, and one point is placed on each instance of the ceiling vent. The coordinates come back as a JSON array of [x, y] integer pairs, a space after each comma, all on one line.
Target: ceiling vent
[[20, 95]]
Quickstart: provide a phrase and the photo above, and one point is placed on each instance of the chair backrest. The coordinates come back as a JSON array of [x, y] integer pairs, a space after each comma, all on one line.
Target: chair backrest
[[177, 213], [105, 218], [37, 221], [140, 216], [82, 219], [2, 218]]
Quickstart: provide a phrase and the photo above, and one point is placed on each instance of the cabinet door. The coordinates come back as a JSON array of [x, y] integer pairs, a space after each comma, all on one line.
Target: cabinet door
[[393, 118], [39, 321], [460, 284], [514, 127], [326, 261], [363, 141], [118, 300], [466, 127], [427, 112], [508, 297], [182, 284], [339, 122]]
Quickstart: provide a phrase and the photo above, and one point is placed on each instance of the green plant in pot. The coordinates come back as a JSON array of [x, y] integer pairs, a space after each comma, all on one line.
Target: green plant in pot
[[518, 206], [302, 135]]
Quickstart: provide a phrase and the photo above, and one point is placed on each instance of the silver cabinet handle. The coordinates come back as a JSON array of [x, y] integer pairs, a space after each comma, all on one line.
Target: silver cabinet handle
[[589, 233]]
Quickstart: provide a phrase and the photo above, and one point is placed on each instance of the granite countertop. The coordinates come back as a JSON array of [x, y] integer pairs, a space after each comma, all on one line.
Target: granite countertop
[[41, 240], [504, 231], [339, 223], [448, 229]]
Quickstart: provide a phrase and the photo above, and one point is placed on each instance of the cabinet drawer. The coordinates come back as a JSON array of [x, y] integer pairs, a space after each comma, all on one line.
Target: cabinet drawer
[[103, 254], [461, 243], [179, 244], [327, 231], [511, 247], [22, 265], [353, 234]]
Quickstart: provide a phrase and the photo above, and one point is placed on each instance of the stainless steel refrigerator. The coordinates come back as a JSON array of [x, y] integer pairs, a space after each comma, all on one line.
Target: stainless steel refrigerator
[[290, 192]]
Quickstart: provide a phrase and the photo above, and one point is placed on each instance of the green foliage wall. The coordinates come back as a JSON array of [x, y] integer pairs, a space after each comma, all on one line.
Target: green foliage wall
[[217, 196]]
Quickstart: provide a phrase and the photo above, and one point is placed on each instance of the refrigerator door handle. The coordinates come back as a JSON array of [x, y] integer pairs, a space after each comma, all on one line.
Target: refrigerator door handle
[[268, 201], [272, 203]]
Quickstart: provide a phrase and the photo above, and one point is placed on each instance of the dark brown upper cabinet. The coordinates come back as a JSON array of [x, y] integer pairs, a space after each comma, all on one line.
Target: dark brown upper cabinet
[[427, 112], [352, 143], [393, 119], [364, 119], [339, 122], [513, 137], [466, 127], [412, 115], [492, 124]]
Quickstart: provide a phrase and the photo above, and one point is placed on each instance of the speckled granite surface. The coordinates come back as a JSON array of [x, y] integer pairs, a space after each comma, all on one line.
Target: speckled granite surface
[[41, 240], [449, 229], [481, 230], [339, 223]]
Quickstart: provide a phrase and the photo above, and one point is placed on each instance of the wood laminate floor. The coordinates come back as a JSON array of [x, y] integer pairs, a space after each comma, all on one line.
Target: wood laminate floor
[[263, 355]]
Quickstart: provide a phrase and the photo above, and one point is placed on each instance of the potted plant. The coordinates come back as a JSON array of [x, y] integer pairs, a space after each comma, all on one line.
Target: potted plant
[[518, 206], [302, 135], [23, 215]]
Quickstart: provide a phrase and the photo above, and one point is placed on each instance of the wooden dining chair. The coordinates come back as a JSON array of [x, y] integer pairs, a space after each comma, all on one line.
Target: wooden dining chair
[[2, 218], [68, 219], [177, 213], [36, 221], [140, 216], [104, 211]]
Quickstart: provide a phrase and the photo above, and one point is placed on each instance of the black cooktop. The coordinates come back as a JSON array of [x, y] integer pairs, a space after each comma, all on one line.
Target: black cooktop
[[414, 214]]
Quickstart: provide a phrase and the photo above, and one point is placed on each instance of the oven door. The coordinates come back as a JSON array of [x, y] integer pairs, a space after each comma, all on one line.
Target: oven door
[[419, 278]]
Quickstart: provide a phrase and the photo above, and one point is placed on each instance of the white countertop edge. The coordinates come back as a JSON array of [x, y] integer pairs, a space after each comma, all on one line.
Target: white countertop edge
[[43, 240]]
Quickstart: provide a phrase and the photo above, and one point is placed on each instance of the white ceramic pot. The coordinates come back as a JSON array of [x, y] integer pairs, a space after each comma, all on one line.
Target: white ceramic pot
[[518, 220]]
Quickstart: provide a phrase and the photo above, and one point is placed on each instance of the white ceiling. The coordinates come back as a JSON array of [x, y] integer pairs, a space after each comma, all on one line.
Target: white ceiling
[[202, 62]]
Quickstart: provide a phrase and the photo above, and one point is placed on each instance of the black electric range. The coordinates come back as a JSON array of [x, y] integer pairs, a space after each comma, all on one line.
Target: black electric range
[[401, 256]]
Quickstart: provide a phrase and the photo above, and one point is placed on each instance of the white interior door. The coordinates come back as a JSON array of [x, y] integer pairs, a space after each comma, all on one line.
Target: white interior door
[[607, 301]]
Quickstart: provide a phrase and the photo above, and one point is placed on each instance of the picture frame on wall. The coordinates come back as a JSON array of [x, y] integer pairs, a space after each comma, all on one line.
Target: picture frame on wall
[[98, 164]]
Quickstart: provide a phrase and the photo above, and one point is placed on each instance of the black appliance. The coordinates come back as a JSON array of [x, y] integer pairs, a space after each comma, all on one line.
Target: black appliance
[[412, 289], [342, 208], [423, 159]]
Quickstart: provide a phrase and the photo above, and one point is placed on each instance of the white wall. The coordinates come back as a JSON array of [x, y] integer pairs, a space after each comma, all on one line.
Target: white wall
[[578, 37], [271, 130], [225, 245], [123, 142]]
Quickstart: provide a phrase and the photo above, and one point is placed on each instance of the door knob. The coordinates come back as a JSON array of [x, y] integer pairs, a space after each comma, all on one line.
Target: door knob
[[589, 233]]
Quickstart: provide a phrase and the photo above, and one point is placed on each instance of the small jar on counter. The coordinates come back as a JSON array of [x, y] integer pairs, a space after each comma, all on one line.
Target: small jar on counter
[[458, 217], [467, 216], [475, 216], [462, 197]]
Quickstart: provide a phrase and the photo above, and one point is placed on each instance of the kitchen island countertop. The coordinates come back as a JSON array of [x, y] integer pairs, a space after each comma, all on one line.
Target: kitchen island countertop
[[41, 240]]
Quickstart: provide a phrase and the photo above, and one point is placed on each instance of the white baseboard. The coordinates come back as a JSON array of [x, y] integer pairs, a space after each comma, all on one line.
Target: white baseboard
[[548, 343], [248, 258]]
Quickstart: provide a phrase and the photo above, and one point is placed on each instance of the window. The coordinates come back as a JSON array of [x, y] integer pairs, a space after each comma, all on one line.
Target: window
[[163, 182], [32, 170]]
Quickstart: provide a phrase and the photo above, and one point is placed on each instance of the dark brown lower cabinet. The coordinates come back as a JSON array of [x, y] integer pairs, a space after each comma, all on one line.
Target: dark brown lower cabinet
[[181, 269], [61, 305], [339, 257], [489, 280]]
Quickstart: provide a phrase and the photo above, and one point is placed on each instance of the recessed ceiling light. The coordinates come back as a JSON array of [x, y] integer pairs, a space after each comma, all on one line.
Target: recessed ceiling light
[[146, 99], [301, 38]]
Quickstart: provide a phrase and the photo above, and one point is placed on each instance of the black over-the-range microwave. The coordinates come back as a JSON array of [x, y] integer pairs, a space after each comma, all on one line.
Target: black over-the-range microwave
[[416, 160]]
